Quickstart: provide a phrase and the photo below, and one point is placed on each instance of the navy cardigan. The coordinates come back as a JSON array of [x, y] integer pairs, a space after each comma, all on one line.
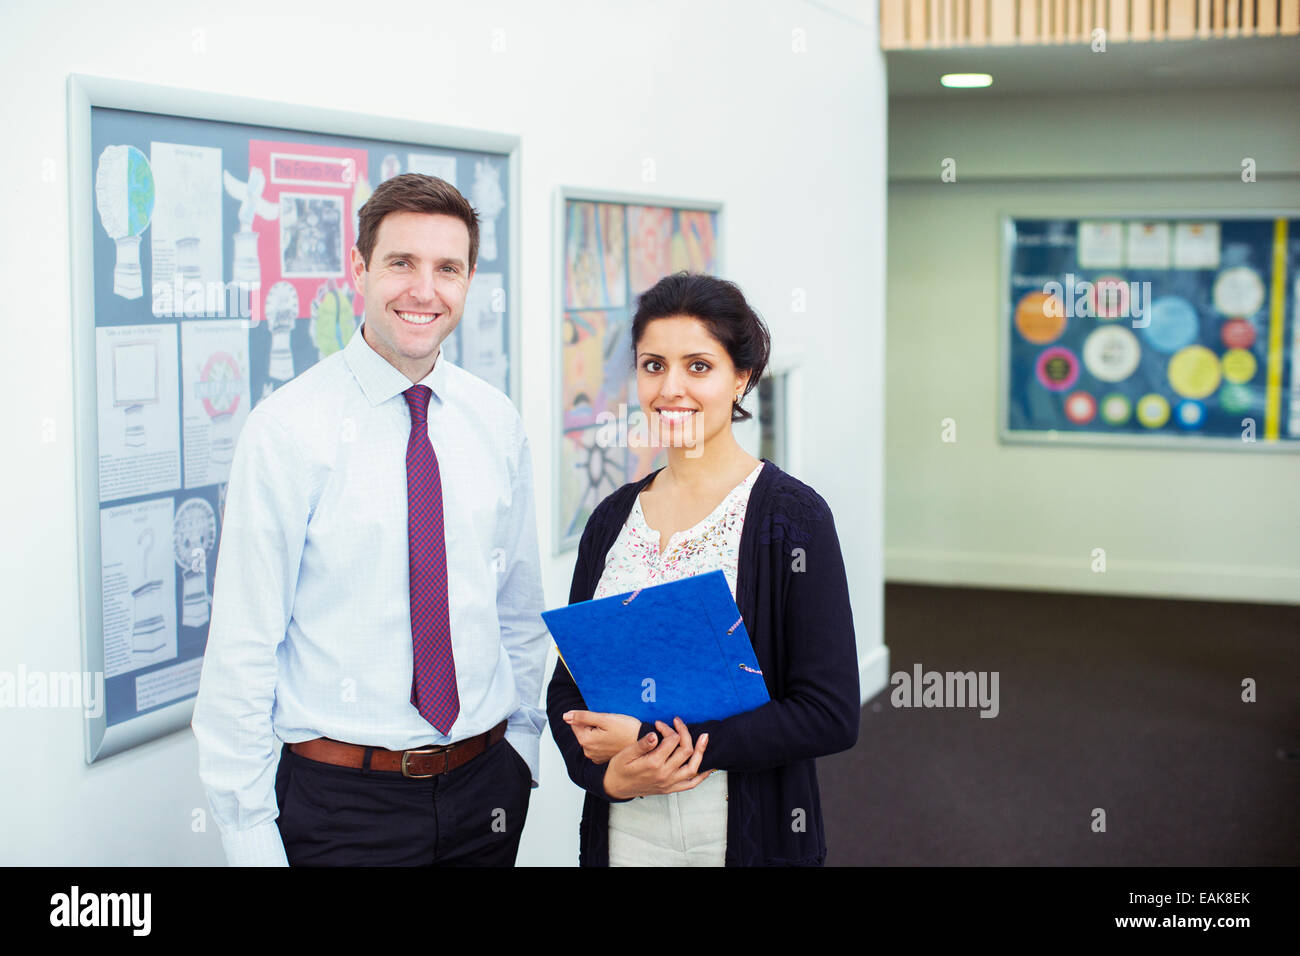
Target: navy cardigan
[[793, 594]]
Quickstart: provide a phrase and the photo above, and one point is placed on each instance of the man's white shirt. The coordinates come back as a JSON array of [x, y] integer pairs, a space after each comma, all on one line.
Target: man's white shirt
[[311, 629]]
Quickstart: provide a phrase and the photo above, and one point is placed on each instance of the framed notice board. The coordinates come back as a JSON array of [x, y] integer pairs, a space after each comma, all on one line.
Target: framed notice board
[[1160, 330], [611, 247], [211, 239]]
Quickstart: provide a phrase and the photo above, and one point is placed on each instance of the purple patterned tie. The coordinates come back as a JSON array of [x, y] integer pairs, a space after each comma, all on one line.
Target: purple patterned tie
[[433, 687]]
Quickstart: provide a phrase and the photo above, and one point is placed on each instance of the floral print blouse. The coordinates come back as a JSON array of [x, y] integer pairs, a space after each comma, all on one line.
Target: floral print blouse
[[634, 561]]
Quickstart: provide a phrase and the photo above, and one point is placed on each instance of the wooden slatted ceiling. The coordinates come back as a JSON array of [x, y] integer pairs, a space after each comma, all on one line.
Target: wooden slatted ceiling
[[920, 24]]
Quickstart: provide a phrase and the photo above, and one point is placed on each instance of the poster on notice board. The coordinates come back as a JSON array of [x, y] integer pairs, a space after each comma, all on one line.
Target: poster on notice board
[[1172, 331], [211, 266]]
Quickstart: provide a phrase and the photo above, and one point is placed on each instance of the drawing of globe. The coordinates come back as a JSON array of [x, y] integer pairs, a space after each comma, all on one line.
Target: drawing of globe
[[139, 192], [124, 191]]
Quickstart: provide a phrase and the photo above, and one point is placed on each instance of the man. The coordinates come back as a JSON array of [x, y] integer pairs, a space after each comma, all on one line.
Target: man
[[378, 594]]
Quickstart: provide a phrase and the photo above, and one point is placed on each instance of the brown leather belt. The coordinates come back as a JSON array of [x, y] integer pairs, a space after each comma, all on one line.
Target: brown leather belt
[[416, 764]]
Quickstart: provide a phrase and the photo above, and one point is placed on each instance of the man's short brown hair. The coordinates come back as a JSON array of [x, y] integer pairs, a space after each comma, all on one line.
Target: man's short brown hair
[[414, 192]]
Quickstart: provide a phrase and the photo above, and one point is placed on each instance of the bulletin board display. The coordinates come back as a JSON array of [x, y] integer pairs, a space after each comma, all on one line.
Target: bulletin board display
[[213, 266], [1173, 331], [612, 247]]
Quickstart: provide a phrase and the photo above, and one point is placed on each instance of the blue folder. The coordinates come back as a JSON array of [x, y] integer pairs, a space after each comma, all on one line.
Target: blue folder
[[672, 650]]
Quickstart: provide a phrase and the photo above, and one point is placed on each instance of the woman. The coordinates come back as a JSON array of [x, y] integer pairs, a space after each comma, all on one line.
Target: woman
[[740, 791]]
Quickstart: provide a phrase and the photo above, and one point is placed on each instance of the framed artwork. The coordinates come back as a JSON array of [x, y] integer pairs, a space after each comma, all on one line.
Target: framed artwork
[[611, 247], [211, 238]]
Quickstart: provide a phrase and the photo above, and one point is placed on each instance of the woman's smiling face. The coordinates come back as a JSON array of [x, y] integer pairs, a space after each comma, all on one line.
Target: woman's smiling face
[[685, 381]]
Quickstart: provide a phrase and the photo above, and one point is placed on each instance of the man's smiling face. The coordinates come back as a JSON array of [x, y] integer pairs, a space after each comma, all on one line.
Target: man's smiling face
[[414, 287]]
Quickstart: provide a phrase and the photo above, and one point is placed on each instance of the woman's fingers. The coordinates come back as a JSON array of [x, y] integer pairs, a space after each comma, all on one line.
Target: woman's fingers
[[666, 746], [683, 732], [679, 756], [693, 766], [683, 765], [593, 719]]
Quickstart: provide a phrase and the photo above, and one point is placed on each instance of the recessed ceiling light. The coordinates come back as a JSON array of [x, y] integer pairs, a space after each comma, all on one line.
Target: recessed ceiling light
[[966, 81]]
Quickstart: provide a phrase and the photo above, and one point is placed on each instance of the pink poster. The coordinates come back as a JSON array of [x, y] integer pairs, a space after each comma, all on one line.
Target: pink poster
[[317, 189]]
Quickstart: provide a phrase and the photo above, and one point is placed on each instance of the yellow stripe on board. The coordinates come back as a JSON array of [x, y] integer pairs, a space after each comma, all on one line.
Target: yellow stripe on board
[[1276, 319]]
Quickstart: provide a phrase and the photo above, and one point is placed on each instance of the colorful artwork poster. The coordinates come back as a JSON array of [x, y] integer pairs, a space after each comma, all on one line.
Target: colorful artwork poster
[[694, 247], [1197, 343], [613, 253], [662, 241], [310, 238], [597, 358], [597, 382], [650, 245], [595, 255]]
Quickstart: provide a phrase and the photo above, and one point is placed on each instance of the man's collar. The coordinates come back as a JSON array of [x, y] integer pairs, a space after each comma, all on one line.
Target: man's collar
[[379, 380]]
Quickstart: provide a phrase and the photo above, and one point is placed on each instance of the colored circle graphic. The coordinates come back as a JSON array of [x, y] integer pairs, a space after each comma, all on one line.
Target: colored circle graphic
[[1189, 414], [220, 384], [1238, 292], [1080, 408], [1173, 323], [1237, 334], [1194, 372], [1239, 366], [1040, 317], [1109, 297], [1057, 369], [1235, 399], [1111, 353], [1116, 409], [1152, 410]]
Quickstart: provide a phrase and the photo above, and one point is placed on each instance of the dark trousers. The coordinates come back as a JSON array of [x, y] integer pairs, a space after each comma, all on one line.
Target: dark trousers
[[338, 816]]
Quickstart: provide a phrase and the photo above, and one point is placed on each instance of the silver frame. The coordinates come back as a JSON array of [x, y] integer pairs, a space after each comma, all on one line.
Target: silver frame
[[563, 194], [1052, 437], [85, 92]]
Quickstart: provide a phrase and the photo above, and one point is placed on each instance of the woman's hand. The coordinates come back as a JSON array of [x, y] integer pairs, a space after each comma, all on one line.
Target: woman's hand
[[602, 735], [643, 768]]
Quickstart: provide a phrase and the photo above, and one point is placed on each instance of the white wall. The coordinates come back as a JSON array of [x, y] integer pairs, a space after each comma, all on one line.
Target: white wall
[[1219, 525], [715, 93]]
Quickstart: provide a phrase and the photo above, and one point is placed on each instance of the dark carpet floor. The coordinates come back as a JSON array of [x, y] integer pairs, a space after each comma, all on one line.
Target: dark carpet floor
[[1130, 705]]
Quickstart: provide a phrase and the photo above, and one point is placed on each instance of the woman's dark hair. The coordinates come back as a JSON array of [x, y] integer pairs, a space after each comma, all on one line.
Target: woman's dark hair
[[722, 308]]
